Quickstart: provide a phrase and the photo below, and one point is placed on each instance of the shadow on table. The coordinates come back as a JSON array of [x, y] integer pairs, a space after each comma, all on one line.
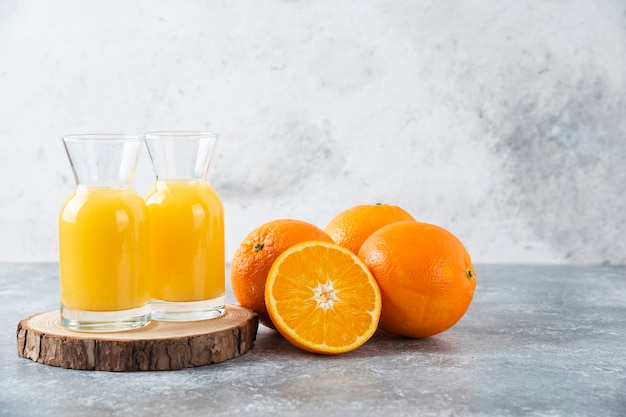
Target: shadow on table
[[271, 344]]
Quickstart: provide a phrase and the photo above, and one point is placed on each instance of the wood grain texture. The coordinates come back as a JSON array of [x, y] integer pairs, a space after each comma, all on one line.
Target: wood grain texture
[[156, 347]]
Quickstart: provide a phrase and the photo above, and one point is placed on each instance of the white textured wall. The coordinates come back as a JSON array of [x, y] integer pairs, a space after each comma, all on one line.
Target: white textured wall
[[504, 122]]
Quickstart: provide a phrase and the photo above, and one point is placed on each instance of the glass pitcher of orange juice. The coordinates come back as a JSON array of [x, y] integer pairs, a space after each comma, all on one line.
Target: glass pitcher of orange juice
[[186, 220], [103, 243]]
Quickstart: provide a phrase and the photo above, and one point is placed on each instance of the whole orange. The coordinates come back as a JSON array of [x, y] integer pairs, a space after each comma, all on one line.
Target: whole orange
[[425, 275], [351, 227], [255, 255]]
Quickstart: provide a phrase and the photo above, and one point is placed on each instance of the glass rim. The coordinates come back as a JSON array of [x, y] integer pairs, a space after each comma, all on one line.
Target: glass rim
[[182, 134], [101, 137]]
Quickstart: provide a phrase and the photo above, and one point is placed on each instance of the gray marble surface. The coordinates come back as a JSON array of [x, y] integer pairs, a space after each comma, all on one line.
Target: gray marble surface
[[536, 341]]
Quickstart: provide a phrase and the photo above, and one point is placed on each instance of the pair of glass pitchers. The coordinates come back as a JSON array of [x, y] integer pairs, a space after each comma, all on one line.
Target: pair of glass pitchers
[[125, 260]]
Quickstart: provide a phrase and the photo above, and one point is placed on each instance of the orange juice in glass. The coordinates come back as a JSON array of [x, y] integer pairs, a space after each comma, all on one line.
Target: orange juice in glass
[[103, 243], [186, 220]]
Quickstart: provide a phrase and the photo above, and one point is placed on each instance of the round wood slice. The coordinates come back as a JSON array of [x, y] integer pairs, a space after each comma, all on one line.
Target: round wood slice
[[156, 347]]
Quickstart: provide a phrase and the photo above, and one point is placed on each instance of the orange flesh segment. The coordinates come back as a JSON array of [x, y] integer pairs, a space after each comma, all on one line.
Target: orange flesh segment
[[322, 298]]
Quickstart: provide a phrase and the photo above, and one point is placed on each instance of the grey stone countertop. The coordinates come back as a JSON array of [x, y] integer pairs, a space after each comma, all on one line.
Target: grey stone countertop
[[536, 341]]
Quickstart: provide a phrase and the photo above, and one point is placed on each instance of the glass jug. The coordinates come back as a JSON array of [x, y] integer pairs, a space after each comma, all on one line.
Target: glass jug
[[186, 220], [103, 244]]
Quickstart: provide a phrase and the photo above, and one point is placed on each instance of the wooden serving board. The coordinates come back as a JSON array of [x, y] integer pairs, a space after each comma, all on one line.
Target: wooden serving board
[[158, 346]]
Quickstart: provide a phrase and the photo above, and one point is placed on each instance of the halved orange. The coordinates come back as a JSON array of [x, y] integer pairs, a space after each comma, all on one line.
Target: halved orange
[[322, 298]]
